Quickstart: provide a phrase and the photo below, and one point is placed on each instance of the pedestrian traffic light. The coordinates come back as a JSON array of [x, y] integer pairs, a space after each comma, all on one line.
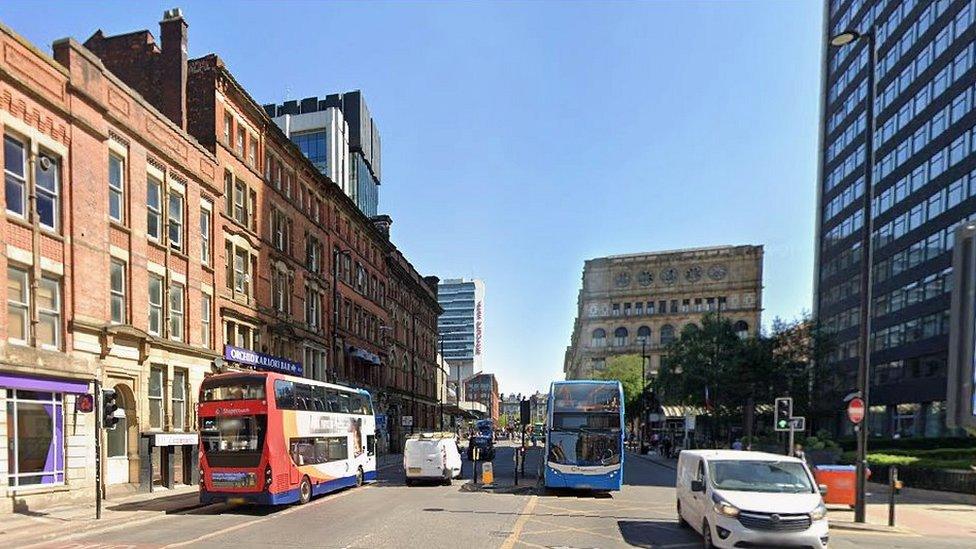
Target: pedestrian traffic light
[[784, 411], [525, 412], [109, 406]]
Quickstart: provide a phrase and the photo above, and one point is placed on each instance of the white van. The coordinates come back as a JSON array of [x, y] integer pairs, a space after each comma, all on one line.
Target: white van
[[431, 456], [733, 497]]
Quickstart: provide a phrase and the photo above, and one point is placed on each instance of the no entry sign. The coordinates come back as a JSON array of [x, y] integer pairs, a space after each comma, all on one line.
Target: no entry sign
[[855, 410]]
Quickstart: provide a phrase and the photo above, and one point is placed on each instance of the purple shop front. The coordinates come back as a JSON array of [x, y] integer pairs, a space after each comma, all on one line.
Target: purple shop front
[[35, 427]]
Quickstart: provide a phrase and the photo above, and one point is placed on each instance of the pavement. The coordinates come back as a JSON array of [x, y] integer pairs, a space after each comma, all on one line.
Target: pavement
[[390, 514]]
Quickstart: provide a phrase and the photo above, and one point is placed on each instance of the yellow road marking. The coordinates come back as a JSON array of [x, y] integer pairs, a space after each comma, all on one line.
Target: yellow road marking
[[520, 523]]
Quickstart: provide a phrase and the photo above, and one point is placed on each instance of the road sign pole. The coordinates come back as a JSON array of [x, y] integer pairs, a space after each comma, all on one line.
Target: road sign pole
[[789, 450]]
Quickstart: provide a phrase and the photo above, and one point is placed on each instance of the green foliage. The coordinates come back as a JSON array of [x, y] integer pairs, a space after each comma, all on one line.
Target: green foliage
[[914, 443], [627, 370], [820, 441], [948, 460]]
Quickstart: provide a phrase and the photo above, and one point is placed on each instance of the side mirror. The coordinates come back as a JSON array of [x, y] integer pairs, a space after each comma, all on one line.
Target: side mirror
[[697, 486], [823, 489]]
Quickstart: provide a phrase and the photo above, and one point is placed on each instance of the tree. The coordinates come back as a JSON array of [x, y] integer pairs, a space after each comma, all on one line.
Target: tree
[[627, 370]]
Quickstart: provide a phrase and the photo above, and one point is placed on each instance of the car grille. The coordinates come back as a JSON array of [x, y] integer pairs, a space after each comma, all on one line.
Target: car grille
[[774, 522]]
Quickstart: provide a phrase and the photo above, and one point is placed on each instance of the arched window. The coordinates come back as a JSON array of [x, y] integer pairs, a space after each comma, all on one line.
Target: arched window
[[599, 338], [667, 334], [741, 329], [620, 337], [643, 334]]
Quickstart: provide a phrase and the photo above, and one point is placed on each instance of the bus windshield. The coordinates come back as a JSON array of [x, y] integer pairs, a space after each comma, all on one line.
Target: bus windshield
[[584, 448], [235, 388], [586, 397], [235, 441]]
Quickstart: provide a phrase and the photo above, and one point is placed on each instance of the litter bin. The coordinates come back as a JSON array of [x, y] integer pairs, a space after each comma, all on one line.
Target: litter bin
[[841, 482]]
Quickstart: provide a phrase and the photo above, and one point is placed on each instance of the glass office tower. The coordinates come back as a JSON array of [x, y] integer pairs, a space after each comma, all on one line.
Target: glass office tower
[[924, 185], [461, 325]]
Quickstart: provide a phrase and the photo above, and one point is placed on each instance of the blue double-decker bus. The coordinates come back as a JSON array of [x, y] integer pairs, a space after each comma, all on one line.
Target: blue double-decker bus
[[584, 435]]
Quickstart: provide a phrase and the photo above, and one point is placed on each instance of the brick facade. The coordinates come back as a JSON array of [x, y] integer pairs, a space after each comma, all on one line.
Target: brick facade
[[164, 239]]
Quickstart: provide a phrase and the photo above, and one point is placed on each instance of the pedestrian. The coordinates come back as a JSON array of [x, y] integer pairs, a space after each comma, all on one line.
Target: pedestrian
[[737, 445], [798, 452]]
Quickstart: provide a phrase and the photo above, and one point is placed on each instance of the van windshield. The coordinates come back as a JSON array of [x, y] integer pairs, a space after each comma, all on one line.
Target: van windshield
[[788, 477]]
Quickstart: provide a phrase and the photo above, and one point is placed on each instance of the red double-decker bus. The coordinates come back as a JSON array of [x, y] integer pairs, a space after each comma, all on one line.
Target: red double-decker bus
[[269, 438]]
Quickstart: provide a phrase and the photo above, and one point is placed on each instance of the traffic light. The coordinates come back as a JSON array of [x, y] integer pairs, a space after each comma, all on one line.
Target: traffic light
[[525, 412], [784, 411], [109, 406]]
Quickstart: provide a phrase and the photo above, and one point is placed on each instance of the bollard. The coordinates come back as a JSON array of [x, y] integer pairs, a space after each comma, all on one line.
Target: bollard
[[895, 486], [487, 473], [516, 457], [474, 464]]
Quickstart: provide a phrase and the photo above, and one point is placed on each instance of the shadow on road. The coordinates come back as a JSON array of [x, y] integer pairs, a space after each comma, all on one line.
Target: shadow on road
[[515, 513], [654, 533]]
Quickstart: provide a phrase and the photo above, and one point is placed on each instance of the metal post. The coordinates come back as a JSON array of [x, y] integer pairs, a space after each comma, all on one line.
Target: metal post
[[641, 424], [98, 449], [893, 485], [789, 450], [864, 343], [413, 370]]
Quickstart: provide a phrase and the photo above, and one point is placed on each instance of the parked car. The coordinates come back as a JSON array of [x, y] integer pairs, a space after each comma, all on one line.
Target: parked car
[[431, 456], [739, 499], [486, 448]]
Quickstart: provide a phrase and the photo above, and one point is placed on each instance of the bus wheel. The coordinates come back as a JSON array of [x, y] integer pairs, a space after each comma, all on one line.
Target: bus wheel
[[304, 491], [359, 477]]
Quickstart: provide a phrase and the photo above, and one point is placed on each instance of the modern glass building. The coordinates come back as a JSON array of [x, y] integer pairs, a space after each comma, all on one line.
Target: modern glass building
[[339, 136], [924, 184], [461, 326]]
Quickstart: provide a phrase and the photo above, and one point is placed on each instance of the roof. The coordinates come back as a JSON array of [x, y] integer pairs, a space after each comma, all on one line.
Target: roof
[[739, 455]]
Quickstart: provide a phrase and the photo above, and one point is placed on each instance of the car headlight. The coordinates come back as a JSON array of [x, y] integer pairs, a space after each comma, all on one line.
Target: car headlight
[[723, 507], [818, 513]]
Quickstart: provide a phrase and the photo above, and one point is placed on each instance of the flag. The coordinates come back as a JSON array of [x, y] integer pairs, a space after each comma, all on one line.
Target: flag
[[708, 400]]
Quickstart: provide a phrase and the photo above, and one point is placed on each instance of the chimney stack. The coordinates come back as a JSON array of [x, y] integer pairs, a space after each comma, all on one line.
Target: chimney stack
[[382, 223], [173, 65]]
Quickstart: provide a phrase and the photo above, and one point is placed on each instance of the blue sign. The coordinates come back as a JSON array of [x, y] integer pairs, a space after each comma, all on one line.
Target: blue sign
[[381, 422], [262, 361]]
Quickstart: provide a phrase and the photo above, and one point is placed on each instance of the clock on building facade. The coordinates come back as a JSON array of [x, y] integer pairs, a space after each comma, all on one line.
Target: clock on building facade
[[645, 278], [669, 275], [717, 272], [622, 279], [693, 274]]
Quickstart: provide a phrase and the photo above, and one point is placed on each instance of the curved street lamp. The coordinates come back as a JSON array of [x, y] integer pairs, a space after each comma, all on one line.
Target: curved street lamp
[[844, 38]]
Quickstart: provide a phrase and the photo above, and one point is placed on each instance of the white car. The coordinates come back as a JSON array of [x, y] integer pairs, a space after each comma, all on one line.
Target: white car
[[431, 456], [744, 499]]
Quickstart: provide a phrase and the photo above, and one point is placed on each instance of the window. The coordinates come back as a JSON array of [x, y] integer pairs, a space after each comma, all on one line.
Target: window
[[252, 150], [153, 208], [906, 420], [176, 312], [156, 410], [18, 304], [205, 236], [741, 329], [155, 304], [49, 313], [620, 337], [312, 307], [313, 146], [35, 450], [179, 399], [240, 140], [175, 215], [279, 230], [240, 202], [15, 177], [644, 335], [312, 254], [241, 260], [205, 322], [598, 338], [279, 290], [667, 334], [116, 188], [117, 283], [228, 127]]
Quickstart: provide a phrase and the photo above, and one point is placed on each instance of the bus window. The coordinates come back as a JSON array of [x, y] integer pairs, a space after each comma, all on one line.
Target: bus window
[[319, 401], [370, 445], [332, 400], [285, 394], [233, 389], [355, 404], [303, 397], [343, 403]]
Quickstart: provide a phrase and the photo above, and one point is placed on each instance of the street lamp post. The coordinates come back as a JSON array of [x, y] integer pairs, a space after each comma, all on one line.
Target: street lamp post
[[643, 415], [864, 344]]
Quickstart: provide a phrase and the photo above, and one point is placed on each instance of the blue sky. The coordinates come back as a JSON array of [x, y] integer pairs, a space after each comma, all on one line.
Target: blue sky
[[521, 138]]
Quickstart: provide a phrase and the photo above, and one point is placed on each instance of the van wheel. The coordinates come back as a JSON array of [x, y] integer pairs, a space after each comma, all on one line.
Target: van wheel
[[707, 536], [304, 491], [681, 520], [359, 477]]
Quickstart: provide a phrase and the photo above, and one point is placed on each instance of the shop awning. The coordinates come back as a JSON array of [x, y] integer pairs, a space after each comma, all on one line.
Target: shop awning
[[364, 355], [45, 384], [682, 411]]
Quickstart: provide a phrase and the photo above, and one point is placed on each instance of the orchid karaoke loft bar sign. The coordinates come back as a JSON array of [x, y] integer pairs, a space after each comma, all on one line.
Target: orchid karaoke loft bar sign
[[262, 361]]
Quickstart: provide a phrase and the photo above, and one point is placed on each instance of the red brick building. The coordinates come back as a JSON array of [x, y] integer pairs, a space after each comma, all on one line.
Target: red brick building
[[154, 215], [483, 388]]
